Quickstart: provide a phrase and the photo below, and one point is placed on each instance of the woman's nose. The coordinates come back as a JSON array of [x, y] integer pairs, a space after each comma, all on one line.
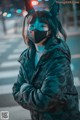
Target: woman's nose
[[36, 26]]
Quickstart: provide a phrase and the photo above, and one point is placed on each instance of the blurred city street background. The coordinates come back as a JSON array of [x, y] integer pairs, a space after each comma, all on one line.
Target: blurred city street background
[[12, 13]]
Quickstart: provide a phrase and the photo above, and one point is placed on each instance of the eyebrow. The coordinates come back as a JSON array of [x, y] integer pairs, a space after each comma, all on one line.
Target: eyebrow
[[40, 24], [43, 23]]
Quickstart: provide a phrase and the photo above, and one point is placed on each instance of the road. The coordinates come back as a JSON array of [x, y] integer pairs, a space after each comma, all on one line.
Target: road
[[13, 25], [74, 45], [10, 51]]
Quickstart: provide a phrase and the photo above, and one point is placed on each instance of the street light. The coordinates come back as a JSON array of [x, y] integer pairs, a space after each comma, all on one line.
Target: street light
[[9, 15], [34, 3], [5, 14], [19, 11]]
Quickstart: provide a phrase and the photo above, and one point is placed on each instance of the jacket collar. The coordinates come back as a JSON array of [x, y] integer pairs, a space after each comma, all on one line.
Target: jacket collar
[[48, 46], [47, 52]]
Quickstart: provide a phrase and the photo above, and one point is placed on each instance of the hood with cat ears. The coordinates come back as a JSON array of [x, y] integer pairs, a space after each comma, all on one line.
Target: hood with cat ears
[[52, 4]]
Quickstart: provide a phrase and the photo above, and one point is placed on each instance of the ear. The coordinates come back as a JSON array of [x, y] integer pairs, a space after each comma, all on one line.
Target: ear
[[49, 33]]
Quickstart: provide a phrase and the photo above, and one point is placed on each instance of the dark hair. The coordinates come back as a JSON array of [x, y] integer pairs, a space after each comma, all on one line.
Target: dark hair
[[53, 22]]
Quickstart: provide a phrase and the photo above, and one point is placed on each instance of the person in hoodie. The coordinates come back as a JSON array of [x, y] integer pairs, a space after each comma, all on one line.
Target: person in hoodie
[[45, 82]]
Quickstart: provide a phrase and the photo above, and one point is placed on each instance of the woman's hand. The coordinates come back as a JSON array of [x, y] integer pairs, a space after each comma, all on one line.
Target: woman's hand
[[23, 87]]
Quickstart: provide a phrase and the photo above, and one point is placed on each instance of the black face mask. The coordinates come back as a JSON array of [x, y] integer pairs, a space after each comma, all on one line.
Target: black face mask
[[38, 36]]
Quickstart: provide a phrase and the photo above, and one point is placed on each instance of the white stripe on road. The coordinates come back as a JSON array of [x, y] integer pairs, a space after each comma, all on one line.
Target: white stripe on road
[[18, 50], [72, 67], [76, 81], [3, 50], [9, 74], [3, 42], [13, 56], [75, 56], [22, 45], [5, 46], [8, 41], [10, 64], [6, 89]]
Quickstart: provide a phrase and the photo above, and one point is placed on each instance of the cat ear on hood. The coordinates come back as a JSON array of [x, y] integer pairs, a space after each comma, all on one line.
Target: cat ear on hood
[[55, 9]]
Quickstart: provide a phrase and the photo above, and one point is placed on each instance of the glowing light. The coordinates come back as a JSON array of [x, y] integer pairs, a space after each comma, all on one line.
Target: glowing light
[[9, 15], [19, 11], [24, 13], [72, 67], [34, 3], [39, 0], [5, 14]]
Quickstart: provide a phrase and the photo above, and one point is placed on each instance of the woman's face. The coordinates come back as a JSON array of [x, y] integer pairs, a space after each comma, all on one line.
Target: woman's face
[[37, 30]]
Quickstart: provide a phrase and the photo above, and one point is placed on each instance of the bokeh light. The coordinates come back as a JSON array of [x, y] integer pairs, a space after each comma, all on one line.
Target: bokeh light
[[5, 14]]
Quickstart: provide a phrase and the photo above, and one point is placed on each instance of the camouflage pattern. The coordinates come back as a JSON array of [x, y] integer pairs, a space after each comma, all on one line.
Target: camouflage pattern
[[47, 90]]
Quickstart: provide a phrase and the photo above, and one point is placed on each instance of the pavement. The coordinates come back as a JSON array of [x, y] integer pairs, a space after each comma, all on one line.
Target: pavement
[[71, 31], [11, 47], [16, 113]]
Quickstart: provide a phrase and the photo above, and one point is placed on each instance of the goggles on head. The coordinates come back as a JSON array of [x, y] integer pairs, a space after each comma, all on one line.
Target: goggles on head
[[41, 5]]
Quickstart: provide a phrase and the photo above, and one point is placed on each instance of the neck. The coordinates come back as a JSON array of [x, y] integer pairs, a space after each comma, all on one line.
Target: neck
[[39, 48]]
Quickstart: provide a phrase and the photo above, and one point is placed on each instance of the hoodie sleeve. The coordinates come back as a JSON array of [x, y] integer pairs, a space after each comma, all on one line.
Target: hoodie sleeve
[[20, 82], [50, 94], [16, 89]]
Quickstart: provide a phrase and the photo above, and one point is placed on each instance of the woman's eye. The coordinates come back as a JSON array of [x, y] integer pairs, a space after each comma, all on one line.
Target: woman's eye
[[43, 26]]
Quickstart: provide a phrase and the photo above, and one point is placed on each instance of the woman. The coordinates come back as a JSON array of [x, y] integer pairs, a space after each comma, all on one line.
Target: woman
[[45, 81]]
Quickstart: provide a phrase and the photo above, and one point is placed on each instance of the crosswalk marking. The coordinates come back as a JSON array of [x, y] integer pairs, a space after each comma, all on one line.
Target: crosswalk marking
[[6, 89], [3, 50], [76, 81], [9, 41], [22, 45], [18, 50], [13, 56], [75, 56], [5, 46], [3, 42], [72, 67], [10, 64], [9, 74]]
